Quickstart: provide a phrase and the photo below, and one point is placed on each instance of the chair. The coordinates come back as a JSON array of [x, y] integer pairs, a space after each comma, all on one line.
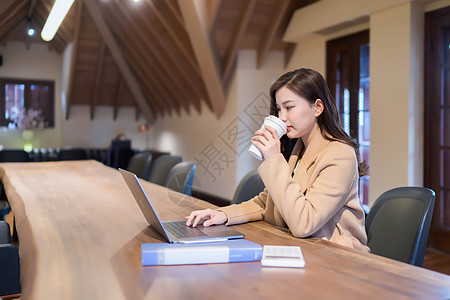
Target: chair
[[155, 154], [72, 154], [119, 154], [9, 262], [10, 155], [249, 186], [161, 168], [140, 164], [5, 208], [123, 157], [14, 155], [181, 177], [398, 224]]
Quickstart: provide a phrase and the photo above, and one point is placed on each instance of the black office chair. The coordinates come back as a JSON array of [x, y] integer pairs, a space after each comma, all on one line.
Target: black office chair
[[119, 154], [181, 177], [9, 262], [5, 208], [249, 186], [10, 155], [14, 155], [398, 224], [72, 154], [140, 164], [161, 168]]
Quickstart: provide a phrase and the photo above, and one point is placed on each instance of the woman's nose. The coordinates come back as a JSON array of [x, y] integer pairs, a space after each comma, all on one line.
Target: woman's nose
[[282, 115]]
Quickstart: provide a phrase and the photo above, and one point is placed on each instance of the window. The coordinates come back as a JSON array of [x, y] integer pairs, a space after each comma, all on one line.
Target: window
[[31, 98], [349, 80]]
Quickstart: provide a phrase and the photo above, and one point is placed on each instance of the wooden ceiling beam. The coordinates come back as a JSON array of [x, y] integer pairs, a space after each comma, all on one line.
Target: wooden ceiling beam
[[149, 88], [14, 10], [142, 62], [213, 10], [175, 38], [13, 22], [73, 57], [97, 80], [141, 43], [9, 29], [159, 93], [175, 13], [194, 16], [269, 35], [119, 95], [175, 66], [230, 56], [113, 47], [156, 86]]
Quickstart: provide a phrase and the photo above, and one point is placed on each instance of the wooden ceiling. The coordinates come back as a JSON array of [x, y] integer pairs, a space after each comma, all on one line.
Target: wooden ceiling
[[160, 56]]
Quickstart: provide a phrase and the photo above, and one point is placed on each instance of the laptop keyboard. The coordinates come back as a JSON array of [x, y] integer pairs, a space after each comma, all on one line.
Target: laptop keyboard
[[180, 230]]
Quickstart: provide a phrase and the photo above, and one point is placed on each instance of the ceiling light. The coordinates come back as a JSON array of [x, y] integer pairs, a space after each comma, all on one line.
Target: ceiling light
[[30, 28], [30, 31], [55, 18]]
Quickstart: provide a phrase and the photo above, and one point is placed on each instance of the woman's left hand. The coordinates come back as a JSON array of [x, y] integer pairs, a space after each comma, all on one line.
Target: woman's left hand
[[267, 141]]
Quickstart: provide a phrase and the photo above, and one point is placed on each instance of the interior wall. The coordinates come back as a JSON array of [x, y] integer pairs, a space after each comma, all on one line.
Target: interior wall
[[310, 54], [198, 137], [38, 63], [396, 113], [80, 131], [253, 102]]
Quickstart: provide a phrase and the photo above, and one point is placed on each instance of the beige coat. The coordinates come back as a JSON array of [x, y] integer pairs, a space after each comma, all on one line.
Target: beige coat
[[321, 199]]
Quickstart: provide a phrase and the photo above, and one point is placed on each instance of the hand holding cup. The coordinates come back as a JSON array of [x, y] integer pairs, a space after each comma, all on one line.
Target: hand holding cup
[[276, 124]]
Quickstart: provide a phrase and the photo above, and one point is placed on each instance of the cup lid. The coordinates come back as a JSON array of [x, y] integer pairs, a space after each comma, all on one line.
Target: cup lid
[[277, 121]]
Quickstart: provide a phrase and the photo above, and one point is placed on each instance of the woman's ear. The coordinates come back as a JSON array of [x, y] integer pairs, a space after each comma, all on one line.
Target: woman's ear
[[318, 107]]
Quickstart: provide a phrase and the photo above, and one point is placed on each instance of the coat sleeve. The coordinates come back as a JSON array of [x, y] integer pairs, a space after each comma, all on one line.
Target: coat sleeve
[[306, 209], [250, 210]]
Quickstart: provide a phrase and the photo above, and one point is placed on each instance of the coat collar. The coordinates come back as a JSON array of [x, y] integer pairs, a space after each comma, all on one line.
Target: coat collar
[[316, 144]]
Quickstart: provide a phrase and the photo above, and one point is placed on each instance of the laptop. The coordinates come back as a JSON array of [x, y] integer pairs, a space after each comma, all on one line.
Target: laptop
[[176, 231]]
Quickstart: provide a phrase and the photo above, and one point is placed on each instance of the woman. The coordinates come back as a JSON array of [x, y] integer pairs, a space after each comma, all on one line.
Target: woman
[[311, 174]]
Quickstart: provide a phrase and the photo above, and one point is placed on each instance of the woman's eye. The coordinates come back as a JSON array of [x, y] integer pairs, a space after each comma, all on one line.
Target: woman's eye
[[289, 107]]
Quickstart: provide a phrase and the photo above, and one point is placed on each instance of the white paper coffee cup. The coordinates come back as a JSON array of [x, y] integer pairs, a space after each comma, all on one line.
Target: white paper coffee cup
[[276, 124]]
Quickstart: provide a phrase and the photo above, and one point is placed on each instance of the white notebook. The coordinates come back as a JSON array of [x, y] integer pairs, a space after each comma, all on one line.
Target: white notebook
[[282, 256]]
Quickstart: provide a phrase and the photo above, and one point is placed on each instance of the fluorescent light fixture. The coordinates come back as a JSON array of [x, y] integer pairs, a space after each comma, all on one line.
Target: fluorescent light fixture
[[55, 18]]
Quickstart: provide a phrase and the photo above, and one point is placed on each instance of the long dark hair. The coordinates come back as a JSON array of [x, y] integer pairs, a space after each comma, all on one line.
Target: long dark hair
[[310, 85]]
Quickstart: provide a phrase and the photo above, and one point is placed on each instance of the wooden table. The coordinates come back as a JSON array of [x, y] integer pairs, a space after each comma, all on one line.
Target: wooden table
[[80, 233]]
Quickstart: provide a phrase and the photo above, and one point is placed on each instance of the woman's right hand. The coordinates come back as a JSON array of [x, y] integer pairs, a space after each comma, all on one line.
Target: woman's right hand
[[212, 217]]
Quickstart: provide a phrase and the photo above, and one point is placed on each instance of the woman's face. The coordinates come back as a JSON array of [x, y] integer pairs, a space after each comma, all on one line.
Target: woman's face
[[298, 114]]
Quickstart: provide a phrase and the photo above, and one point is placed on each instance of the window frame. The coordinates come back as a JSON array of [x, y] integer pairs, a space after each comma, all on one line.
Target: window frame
[[49, 110], [349, 48]]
